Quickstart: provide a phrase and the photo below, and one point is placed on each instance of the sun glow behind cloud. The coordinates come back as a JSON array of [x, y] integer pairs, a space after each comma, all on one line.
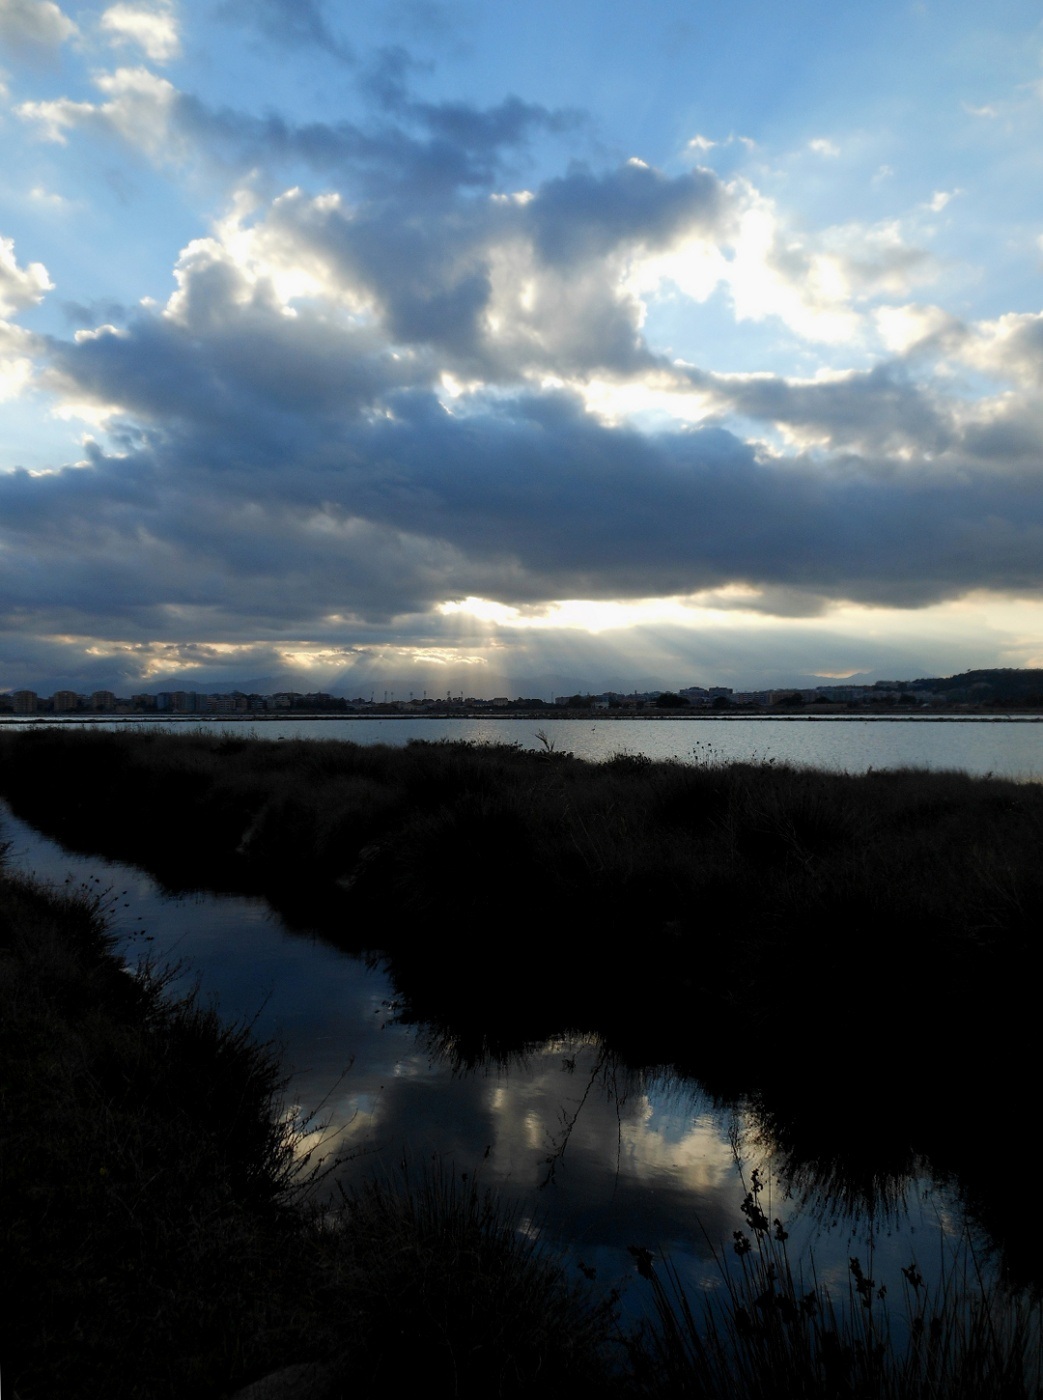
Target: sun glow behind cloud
[[592, 616]]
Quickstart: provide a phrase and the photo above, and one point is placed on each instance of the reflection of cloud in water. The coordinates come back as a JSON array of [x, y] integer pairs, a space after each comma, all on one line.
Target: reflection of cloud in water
[[694, 1155], [607, 1156]]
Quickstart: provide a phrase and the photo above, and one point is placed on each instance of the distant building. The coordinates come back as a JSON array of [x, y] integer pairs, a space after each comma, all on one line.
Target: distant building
[[181, 702]]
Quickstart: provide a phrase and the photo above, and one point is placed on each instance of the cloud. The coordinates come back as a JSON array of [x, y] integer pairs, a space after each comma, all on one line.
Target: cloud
[[285, 457], [414, 376], [582, 215], [904, 328], [876, 411], [152, 28], [823, 147], [139, 110], [16, 360], [267, 508], [421, 151], [814, 281], [1009, 347], [20, 287], [48, 199], [34, 27], [429, 151], [495, 290]]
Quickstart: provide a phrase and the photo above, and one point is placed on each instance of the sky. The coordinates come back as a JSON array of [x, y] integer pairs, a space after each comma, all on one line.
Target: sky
[[456, 346]]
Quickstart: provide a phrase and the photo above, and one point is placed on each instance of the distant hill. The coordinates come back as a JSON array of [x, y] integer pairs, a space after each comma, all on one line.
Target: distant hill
[[1001, 686]]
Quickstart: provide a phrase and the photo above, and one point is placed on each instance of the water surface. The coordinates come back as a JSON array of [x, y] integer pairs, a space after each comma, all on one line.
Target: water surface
[[1004, 746]]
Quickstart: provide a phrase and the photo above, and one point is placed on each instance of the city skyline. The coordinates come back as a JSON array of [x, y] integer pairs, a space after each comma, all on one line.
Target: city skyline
[[976, 688]]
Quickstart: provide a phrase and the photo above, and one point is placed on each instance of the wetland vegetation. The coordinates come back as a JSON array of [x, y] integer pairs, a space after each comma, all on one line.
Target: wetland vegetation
[[856, 957], [162, 1226]]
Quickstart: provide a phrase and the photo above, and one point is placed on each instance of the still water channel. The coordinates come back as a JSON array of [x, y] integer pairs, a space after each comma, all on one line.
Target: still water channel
[[597, 1156]]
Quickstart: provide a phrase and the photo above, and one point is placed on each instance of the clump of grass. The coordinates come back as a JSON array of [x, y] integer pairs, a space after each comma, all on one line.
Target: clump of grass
[[149, 1182], [773, 1330], [449, 1287]]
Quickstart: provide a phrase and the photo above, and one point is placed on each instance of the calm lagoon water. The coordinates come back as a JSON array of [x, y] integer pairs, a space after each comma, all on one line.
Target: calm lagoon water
[[600, 1156], [1008, 747]]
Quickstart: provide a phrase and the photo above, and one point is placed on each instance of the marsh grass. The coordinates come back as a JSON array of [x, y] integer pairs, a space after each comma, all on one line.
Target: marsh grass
[[453, 1288], [162, 1224], [160, 1227], [149, 1224], [773, 1330], [671, 908]]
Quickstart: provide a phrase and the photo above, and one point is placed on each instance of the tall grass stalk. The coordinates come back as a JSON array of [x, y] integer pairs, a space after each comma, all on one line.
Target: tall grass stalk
[[773, 1329]]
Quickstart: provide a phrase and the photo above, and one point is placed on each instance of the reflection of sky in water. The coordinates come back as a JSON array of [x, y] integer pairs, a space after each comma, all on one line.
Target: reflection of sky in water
[[598, 1157]]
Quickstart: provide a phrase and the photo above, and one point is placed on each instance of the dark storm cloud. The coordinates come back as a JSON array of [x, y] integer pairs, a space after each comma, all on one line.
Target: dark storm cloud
[[436, 280], [877, 410], [431, 286], [421, 150], [594, 512], [583, 215], [527, 501], [257, 375], [1010, 438]]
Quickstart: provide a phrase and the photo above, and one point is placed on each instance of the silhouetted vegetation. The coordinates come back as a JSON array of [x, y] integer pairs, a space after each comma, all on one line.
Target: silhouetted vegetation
[[146, 1173], [774, 1330], [856, 955], [998, 686], [160, 1234], [161, 1226]]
